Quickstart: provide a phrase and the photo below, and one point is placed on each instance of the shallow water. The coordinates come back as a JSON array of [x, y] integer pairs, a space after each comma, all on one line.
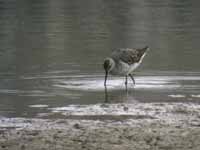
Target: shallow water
[[51, 53], [52, 91]]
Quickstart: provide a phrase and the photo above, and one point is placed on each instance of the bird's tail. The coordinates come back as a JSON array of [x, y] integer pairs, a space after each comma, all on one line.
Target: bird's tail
[[143, 50], [146, 48]]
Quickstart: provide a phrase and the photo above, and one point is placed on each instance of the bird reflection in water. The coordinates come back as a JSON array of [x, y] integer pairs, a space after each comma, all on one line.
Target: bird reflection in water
[[118, 96]]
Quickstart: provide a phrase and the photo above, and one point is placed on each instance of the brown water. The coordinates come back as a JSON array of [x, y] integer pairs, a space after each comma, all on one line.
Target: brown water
[[51, 52]]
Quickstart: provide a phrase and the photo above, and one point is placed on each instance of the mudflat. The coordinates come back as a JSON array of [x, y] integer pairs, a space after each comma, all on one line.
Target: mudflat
[[142, 126]]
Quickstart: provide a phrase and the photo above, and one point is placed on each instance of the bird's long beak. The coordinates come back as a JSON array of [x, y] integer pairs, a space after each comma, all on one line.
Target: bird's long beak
[[106, 75]]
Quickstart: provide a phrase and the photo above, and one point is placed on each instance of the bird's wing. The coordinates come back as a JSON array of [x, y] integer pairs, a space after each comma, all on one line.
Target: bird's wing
[[129, 56]]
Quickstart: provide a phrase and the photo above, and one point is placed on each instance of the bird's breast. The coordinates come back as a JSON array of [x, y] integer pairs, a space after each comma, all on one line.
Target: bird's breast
[[121, 68]]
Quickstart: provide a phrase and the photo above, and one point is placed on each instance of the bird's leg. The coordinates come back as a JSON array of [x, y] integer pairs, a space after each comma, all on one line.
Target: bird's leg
[[126, 80], [132, 78]]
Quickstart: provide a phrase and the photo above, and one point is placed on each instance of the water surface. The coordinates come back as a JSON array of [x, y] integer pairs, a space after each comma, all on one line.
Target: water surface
[[51, 52]]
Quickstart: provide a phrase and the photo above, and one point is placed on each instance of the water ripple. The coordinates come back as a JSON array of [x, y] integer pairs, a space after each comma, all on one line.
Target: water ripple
[[142, 82]]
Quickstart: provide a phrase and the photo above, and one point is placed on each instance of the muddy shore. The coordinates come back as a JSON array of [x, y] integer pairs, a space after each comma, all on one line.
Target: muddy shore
[[142, 126]]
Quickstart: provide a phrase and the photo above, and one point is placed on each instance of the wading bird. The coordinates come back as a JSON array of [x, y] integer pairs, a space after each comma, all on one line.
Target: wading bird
[[123, 62]]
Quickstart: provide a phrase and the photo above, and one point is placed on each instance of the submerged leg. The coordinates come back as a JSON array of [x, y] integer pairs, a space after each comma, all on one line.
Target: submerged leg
[[132, 78]]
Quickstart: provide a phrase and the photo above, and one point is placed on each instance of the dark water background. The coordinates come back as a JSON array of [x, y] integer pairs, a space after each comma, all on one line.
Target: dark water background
[[51, 52]]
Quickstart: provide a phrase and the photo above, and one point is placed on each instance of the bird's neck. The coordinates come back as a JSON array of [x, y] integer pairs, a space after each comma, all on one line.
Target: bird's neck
[[109, 64]]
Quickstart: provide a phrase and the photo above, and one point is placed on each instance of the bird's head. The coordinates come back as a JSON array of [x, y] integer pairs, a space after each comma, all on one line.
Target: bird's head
[[108, 64]]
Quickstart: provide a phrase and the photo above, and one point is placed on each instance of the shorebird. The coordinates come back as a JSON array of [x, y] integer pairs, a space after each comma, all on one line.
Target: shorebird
[[123, 62]]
